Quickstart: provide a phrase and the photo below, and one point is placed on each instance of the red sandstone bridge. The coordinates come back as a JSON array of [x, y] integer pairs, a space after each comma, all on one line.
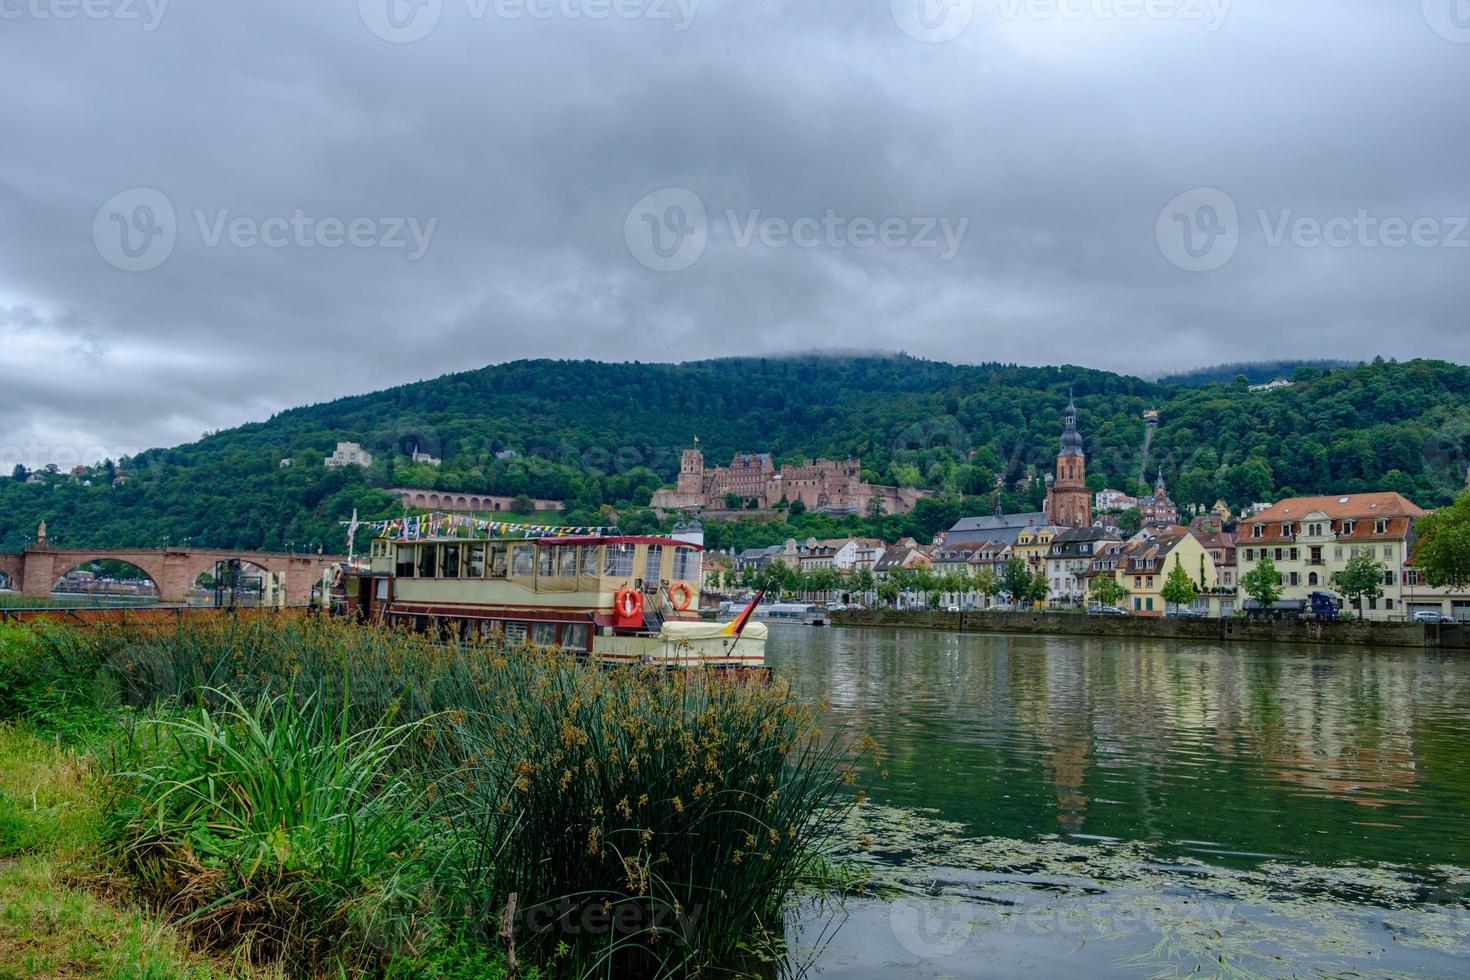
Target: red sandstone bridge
[[37, 569]]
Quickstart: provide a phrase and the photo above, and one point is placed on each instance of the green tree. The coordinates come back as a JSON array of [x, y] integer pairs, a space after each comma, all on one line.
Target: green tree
[[797, 508], [1130, 522], [732, 501], [985, 583], [1107, 590], [1016, 580], [1038, 588], [862, 582], [1361, 578], [1179, 589], [1443, 551], [1263, 583]]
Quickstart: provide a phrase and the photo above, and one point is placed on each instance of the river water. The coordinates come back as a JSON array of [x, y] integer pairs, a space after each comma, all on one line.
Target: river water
[[1071, 807]]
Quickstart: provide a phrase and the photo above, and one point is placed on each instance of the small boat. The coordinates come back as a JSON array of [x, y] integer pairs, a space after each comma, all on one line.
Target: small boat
[[793, 612], [610, 598]]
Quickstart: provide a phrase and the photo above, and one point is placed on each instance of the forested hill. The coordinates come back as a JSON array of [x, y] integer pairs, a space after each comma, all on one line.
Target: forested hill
[[609, 434]]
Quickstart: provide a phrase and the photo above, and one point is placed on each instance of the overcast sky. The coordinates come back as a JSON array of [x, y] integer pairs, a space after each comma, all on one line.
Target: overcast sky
[[210, 212]]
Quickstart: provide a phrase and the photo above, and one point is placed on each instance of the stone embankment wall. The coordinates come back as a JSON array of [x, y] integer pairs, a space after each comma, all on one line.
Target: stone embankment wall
[[1220, 630]]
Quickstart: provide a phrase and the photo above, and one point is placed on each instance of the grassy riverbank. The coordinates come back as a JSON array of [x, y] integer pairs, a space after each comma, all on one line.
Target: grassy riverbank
[[313, 798]]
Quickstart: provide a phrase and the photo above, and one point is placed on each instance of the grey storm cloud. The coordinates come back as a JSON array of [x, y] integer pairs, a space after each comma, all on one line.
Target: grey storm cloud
[[211, 212]]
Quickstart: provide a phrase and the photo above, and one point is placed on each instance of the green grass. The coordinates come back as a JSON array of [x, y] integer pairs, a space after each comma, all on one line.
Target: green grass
[[51, 923]]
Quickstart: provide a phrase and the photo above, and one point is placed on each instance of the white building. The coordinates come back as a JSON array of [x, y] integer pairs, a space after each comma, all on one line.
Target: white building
[[349, 454], [1105, 501]]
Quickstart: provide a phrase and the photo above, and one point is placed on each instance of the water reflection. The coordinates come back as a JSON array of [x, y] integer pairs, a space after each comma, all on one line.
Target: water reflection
[[1231, 753]]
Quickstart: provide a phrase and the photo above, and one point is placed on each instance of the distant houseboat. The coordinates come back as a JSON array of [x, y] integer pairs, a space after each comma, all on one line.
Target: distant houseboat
[[616, 599]]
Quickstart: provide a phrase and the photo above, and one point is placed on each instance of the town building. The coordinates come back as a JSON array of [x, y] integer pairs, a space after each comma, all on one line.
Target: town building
[[1158, 509], [1068, 502], [990, 556], [1000, 527], [1276, 385], [422, 457], [825, 485], [349, 454], [1145, 562], [1069, 562], [1033, 544], [417, 498], [1311, 539], [1112, 501]]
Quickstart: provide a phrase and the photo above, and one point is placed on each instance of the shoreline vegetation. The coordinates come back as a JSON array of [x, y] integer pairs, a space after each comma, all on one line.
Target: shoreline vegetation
[[286, 796]]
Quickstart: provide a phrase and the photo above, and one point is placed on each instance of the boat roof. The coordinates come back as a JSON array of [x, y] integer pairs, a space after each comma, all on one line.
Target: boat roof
[[549, 540]]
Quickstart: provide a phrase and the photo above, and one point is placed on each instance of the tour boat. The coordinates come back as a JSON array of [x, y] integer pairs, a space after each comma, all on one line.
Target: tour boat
[[614, 599]]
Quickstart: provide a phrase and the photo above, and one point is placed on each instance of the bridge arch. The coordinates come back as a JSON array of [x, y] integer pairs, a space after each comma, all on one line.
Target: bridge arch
[[106, 575]]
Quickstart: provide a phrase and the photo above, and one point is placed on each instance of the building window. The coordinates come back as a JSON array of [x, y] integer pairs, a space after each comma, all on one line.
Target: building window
[[1380, 527], [1347, 527], [1256, 530], [1286, 530], [1312, 578], [1294, 554], [1337, 553], [619, 563], [653, 565], [686, 565], [1278, 554]]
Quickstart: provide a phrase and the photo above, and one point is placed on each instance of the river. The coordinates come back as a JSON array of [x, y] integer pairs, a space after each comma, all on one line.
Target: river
[[1097, 808]]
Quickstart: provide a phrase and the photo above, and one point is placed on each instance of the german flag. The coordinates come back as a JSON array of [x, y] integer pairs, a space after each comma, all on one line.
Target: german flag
[[738, 625]]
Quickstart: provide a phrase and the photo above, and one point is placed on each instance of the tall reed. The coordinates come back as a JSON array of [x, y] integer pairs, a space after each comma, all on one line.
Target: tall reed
[[644, 823]]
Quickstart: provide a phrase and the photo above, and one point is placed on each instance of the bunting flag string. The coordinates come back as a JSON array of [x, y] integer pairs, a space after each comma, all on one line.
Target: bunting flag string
[[441, 525]]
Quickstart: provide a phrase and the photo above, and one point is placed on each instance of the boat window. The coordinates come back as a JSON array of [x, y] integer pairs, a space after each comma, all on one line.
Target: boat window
[[450, 565], [497, 561], [653, 567], [566, 561], [515, 631], [474, 561], [427, 554], [574, 636], [523, 561], [619, 562], [546, 562], [543, 634], [686, 565], [590, 564], [407, 555]]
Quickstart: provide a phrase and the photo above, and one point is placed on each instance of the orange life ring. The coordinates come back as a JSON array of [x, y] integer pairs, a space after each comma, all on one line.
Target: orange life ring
[[682, 596], [628, 604]]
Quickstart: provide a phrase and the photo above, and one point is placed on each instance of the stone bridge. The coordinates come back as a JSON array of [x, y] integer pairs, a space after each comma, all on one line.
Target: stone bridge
[[35, 570]]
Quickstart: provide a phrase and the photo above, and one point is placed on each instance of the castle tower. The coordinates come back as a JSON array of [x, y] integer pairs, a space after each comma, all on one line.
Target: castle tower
[[1068, 504], [691, 471]]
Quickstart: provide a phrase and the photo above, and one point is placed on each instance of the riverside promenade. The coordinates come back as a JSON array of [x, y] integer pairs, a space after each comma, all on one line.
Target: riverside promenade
[[1348, 633]]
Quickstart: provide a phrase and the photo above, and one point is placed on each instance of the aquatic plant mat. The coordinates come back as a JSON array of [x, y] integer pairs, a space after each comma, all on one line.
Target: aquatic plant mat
[[940, 903]]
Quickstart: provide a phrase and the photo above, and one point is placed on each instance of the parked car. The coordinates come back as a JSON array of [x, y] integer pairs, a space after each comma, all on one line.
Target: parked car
[[1187, 614], [1431, 617], [1106, 611], [952, 608]]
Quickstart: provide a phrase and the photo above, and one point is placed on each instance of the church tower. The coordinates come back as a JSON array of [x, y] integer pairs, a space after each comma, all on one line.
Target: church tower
[[1068, 503]]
